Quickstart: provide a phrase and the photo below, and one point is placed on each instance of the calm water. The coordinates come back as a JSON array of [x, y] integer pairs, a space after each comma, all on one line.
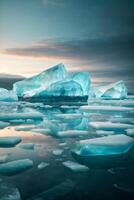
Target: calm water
[[57, 181]]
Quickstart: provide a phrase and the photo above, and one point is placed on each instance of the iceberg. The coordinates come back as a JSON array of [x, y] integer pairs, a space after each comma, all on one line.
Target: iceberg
[[107, 145], [33, 85], [116, 90], [15, 167], [75, 85], [7, 95], [10, 141], [54, 83]]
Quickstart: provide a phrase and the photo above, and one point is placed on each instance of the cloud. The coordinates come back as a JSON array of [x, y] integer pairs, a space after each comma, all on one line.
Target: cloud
[[114, 50]]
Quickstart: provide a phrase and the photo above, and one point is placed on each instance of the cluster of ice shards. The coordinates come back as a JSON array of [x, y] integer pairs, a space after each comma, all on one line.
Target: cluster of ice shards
[[7, 95], [116, 90], [107, 145], [54, 82]]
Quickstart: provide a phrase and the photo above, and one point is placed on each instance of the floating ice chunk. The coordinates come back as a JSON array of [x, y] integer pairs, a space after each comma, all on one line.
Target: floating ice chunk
[[74, 166], [31, 86], [102, 132], [57, 152], [9, 141], [110, 126], [27, 146], [42, 165], [42, 130], [16, 116], [14, 167], [4, 158], [62, 144], [56, 192], [130, 132], [69, 116], [107, 145], [24, 128], [17, 121], [130, 96], [116, 90], [72, 133], [6, 95], [3, 124], [122, 120], [9, 192], [101, 108]]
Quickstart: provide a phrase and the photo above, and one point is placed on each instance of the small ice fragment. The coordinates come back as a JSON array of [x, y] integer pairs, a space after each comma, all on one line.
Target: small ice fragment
[[4, 158], [42, 165], [27, 146], [57, 152], [14, 167], [30, 121], [124, 187], [110, 125], [45, 131], [3, 124], [74, 166], [9, 141], [72, 133], [62, 144], [116, 170], [68, 115], [9, 192]]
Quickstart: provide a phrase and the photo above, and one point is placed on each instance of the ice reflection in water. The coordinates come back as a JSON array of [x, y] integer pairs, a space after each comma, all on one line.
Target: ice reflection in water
[[47, 128]]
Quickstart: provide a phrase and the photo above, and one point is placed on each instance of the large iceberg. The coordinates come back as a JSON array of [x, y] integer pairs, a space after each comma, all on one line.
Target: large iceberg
[[75, 85], [30, 86], [54, 82], [7, 95], [116, 90]]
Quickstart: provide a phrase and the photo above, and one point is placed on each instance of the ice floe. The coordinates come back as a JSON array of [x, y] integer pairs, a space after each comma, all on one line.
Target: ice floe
[[10, 141], [42, 165], [15, 167], [110, 126], [107, 145], [76, 167]]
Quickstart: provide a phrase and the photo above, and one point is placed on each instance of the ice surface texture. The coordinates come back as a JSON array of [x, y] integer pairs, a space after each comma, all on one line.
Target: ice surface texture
[[54, 82], [116, 90], [7, 95], [107, 145], [34, 85]]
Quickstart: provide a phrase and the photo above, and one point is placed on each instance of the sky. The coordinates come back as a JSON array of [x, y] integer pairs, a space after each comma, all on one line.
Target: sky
[[91, 35]]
